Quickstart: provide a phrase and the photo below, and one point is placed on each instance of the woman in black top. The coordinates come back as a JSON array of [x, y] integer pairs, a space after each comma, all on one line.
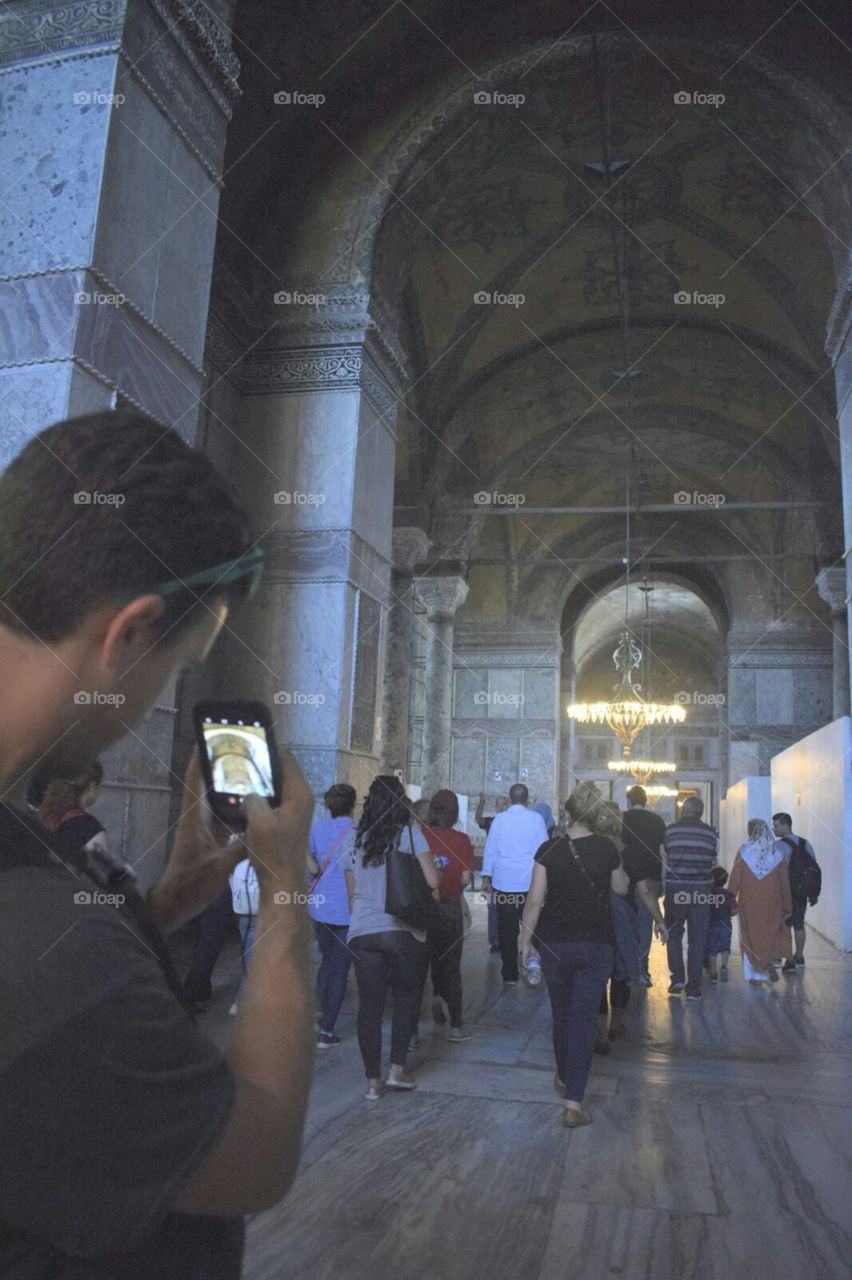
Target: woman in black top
[[568, 914]]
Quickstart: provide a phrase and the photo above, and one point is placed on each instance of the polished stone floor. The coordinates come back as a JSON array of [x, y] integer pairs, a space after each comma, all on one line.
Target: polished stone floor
[[721, 1145]]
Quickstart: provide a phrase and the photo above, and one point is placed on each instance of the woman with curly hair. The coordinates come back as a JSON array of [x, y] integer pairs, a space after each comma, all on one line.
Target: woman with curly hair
[[387, 951], [63, 808]]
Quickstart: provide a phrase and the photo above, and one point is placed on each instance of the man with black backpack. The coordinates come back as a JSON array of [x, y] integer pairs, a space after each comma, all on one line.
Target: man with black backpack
[[805, 882]]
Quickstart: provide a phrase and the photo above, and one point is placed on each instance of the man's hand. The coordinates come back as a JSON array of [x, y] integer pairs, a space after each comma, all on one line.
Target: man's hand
[[485, 885], [661, 931], [276, 840], [203, 855]]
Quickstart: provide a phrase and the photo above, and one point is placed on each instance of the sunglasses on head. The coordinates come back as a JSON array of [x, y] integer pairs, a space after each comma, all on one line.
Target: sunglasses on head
[[248, 566]]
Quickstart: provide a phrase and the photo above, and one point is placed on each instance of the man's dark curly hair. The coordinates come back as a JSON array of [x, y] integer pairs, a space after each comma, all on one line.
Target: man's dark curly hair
[[386, 811], [60, 558]]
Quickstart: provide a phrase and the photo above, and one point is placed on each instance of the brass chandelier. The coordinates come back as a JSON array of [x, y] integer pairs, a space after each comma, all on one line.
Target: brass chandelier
[[627, 713]]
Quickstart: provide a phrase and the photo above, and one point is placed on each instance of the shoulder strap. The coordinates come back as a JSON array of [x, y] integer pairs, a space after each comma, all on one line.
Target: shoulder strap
[[604, 897], [332, 851]]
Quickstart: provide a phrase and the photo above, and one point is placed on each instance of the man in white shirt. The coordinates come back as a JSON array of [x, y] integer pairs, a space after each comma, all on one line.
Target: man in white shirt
[[515, 837]]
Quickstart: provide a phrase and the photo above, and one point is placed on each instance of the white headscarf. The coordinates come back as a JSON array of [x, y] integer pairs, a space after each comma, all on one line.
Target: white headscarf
[[761, 854]]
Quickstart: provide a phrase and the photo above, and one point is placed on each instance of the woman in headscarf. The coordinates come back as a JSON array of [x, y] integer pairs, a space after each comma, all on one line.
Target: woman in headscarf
[[761, 887]]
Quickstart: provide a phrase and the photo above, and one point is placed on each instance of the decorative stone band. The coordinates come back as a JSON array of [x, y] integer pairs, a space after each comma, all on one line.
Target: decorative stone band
[[329, 368], [34, 29], [324, 555], [781, 659], [500, 728], [507, 658]]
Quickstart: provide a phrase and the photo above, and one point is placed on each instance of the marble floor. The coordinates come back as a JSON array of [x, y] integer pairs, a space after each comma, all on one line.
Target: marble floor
[[721, 1145]]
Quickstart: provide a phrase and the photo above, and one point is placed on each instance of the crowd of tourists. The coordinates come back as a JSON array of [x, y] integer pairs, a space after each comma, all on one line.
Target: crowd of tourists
[[130, 1143], [576, 902]]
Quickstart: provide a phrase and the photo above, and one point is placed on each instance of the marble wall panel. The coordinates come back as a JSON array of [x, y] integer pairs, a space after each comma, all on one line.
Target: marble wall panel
[[51, 153], [470, 693], [813, 698], [32, 398], [774, 689], [373, 489], [742, 695], [468, 766], [745, 761], [505, 694], [503, 756], [541, 690], [539, 755]]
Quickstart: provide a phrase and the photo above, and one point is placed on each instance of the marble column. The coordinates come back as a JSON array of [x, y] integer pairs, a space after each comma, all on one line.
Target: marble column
[[831, 585], [440, 595], [410, 546], [314, 456], [113, 115]]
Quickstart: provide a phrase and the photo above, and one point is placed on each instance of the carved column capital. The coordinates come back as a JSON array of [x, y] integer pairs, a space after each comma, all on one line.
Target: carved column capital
[[410, 547], [831, 585], [440, 596]]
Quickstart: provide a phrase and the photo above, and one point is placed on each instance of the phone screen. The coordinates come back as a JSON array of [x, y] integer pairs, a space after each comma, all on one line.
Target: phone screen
[[239, 758]]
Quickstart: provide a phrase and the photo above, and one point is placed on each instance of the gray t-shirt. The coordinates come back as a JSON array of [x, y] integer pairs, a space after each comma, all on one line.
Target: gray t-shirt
[[368, 904]]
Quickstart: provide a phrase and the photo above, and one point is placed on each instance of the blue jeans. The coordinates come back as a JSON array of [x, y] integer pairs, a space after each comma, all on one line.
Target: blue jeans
[[576, 975], [333, 971], [209, 931], [247, 925], [687, 909], [646, 925]]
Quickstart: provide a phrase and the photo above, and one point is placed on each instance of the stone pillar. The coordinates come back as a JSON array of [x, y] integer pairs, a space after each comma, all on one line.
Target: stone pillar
[[441, 596], [410, 546], [113, 116], [316, 468], [831, 585], [838, 345]]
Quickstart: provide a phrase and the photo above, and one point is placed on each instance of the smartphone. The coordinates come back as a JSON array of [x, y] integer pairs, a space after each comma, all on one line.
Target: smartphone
[[238, 756]]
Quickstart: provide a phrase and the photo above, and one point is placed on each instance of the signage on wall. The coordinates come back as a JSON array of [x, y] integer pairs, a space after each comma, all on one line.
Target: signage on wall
[[525, 773], [498, 776]]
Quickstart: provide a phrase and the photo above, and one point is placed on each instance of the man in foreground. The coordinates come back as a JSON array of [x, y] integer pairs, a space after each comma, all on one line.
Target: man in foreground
[[129, 1146], [515, 837]]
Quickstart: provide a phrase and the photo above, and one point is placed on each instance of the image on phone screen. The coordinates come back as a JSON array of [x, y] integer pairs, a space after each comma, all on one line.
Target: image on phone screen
[[239, 756]]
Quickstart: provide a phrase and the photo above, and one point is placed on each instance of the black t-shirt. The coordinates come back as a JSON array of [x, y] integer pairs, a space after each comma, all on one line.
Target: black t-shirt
[[72, 834], [576, 908], [642, 832], [110, 1098]]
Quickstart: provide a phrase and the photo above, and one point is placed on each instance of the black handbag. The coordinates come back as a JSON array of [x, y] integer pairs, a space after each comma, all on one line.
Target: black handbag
[[407, 896]]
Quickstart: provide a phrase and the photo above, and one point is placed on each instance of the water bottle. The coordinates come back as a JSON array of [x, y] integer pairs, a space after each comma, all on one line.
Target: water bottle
[[533, 971]]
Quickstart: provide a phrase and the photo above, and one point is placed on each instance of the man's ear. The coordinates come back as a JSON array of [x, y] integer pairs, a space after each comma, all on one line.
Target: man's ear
[[132, 633]]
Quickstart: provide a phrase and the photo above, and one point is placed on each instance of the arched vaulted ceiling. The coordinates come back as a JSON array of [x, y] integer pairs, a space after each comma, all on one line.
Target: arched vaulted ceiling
[[410, 188]]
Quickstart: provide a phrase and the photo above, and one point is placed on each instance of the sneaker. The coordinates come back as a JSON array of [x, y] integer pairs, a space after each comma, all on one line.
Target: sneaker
[[457, 1034], [799, 961], [675, 988], [693, 995], [714, 977], [789, 966], [646, 980], [327, 1040]]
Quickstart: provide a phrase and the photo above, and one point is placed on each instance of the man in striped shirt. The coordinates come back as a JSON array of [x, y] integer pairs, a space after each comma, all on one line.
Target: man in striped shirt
[[691, 849]]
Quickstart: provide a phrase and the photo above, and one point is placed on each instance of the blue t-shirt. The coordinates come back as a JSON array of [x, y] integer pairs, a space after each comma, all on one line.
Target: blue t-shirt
[[329, 901]]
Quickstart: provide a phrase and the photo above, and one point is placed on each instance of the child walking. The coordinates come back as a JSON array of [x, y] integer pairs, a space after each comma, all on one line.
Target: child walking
[[721, 929]]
